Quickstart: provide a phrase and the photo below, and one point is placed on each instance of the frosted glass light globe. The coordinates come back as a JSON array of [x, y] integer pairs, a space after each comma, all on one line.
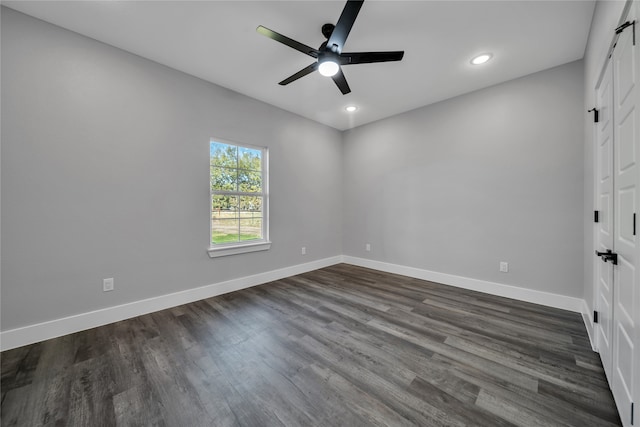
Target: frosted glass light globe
[[328, 68]]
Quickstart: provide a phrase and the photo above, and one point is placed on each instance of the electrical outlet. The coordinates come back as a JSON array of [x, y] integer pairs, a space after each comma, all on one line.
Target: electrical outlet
[[504, 267], [107, 284], [304, 250], [367, 247]]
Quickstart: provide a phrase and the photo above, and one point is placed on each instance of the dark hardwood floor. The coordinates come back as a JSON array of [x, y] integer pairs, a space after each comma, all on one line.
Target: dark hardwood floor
[[340, 346]]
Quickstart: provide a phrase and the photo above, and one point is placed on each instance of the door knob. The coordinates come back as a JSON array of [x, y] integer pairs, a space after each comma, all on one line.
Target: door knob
[[608, 256]]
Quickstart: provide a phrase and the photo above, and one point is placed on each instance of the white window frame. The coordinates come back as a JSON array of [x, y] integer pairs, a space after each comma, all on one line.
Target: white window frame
[[234, 248]]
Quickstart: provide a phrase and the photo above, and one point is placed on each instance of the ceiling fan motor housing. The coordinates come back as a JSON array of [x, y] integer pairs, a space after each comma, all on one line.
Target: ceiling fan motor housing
[[327, 29]]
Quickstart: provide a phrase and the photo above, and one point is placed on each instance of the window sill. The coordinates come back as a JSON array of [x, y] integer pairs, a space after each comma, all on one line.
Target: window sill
[[240, 248]]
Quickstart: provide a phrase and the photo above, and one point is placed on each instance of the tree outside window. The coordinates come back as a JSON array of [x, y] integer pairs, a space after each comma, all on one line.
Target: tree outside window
[[238, 195]]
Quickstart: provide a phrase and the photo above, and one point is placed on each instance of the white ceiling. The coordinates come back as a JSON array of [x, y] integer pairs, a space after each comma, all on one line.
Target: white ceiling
[[217, 41]]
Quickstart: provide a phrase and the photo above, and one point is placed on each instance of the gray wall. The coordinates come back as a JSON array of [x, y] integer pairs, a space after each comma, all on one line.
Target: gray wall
[[105, 174], [605, 19], [456, 187]]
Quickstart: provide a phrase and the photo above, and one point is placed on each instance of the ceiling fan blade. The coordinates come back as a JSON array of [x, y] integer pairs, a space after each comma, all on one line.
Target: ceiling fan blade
[[341, 82], [343, 27], [369, 57], [289, 42], [307, 70]]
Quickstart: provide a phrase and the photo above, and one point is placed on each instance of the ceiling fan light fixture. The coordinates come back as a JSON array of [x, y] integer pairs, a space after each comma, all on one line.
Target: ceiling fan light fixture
[[328, 68], [329, 57], [481, 59]]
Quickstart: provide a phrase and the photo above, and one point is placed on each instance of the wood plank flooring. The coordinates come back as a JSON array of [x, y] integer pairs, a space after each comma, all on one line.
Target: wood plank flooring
[[340, 346]]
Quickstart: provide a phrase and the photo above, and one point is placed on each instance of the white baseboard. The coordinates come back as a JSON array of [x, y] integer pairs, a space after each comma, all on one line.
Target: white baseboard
[[514, 292], [55, 328], [588, 324]]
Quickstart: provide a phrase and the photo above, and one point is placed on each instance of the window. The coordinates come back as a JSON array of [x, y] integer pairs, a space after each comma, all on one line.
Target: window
[[239, 199]]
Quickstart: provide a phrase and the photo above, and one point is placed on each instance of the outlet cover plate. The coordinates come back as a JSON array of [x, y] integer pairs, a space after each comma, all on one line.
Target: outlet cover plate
[[107, 284], [504, 267]]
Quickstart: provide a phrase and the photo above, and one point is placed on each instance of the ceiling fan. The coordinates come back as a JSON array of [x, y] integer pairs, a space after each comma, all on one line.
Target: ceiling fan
[[329, 55]]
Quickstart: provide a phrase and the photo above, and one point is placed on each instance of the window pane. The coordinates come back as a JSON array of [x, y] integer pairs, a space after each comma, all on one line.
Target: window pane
[[224, 207], [223, 179], [249, 158], [250, 229], [250, 207], [224, 231], [223, 155], [250, 181], [237, 199]]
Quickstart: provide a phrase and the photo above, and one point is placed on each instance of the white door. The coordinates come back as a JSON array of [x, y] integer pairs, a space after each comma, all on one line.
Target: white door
[[604, 205], [625, 168]]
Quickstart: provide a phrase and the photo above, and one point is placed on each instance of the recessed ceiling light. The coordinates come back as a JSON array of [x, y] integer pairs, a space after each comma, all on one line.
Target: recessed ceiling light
[[481, 59], [351, 108]]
